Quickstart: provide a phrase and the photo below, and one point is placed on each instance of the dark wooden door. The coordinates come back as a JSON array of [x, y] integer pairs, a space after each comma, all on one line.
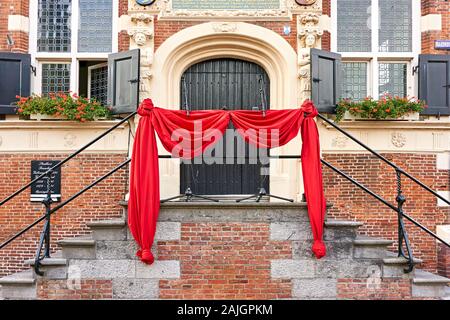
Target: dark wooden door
[[235, 85]]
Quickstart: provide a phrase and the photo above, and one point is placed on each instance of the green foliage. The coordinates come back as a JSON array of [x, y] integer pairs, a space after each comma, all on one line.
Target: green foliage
[[70, 107], [387, 107]]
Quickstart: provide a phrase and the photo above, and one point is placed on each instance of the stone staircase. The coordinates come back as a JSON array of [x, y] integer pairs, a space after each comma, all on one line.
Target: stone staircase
[[108, 255]]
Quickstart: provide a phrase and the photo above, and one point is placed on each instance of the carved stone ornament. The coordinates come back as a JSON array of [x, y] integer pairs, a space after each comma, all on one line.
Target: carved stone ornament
[[309, 35], [305, 2], [398, 139], [167, 12], [142, 29], [224, 27]]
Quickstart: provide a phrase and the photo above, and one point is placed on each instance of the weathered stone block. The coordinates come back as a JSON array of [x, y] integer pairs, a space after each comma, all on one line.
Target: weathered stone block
[[290, 231], [365, 252], [110, 233], [116, 250], [135, 288], [79, 252], [430, 291], [158, 270], [314, 288], [167, 231], [290, 269], [17, 292], [101, 269]]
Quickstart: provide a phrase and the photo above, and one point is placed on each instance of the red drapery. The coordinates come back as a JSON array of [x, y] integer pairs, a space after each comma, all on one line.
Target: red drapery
[[187, 136]]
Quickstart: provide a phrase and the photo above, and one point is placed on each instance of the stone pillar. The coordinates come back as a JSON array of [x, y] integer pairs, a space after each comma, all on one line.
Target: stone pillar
[[309, 36]]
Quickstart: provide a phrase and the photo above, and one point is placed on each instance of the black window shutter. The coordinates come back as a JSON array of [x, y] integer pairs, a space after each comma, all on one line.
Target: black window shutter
[[434, 83], [15, 76], [325, 79], [123, 81]]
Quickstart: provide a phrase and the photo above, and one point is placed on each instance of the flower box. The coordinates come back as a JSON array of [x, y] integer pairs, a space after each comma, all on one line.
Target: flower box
[[40, 116], [414, 116]]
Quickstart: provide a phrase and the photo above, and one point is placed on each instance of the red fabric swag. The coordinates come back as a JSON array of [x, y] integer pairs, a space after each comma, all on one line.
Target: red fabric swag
[[188, 136]]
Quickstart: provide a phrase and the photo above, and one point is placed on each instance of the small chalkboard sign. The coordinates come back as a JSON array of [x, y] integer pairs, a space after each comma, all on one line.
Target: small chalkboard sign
[[39, 189]]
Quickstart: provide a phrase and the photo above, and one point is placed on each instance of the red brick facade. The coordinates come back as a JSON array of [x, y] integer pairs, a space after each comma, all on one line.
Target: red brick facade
[[225, 261], [443, 260], [428, 38], [354, 204], [387, 289], [164, 29], [99, 203], [85, 290], [11, 7]]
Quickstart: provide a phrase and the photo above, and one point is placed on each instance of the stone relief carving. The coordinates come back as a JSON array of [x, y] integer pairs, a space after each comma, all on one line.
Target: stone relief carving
[[224, 27], [164, 8], [339, 142], [33, 140], [70, 140], [141, 32], [398, 139], [309, 36]]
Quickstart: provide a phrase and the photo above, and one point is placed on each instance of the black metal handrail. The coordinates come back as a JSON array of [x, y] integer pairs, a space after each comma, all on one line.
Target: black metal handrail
[[400, 198], [44, 238], [14, 194], [379, 156], [402, 234]]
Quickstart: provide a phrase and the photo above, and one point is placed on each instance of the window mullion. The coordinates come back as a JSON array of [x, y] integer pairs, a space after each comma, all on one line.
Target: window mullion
[[375, 40], [74, 47]]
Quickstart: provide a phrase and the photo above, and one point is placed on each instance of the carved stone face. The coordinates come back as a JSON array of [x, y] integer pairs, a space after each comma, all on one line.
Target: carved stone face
[[310, 40], [140, 38]]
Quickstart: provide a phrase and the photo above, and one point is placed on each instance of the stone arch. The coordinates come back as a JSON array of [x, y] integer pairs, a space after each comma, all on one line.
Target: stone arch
[[225, 40], [238, 40]]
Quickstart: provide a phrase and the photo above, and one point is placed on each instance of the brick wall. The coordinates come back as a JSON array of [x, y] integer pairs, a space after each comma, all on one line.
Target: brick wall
[[11, 7], [326, 38], [164, 29], [443, 260], [87, 290], [97, 204], [387, 289], [352, 203], [225, 261], [124, 38], [436, 7]]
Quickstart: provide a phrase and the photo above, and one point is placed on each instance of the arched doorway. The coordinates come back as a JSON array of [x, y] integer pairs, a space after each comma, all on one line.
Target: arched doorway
[[232, 84]]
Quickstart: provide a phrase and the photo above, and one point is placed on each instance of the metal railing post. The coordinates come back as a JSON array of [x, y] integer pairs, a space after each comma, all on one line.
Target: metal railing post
[[402, 234]]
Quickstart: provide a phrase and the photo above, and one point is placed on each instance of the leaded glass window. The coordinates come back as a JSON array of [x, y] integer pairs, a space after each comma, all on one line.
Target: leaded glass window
[[395, 26], [55, 78], [53, 33], [354, 84], [393, 79], [99, 84], [353, 24], [95, 26]]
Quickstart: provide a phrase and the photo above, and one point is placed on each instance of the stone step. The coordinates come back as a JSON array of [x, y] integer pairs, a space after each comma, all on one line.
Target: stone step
[[21, 285], [426, 284], [400, 261], [424, 277], [53, 268], [340, 230], [370, 248], [114, 229], [78, 248], [369, 242], [342, 224], [394, 267]]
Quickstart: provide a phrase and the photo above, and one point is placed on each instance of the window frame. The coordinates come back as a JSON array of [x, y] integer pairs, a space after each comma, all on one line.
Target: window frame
[[90, 68], [73, 57], [375, 57]]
